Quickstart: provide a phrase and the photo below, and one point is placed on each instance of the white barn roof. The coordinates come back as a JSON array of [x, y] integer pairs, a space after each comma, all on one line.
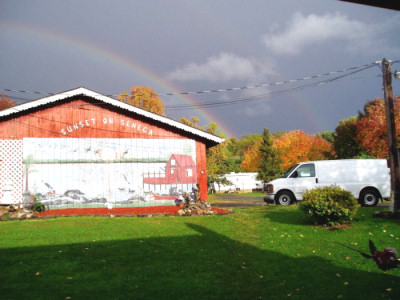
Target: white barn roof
[[89, 93]]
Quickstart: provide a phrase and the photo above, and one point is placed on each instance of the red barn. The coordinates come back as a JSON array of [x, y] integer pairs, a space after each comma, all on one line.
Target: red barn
[[179, 168], [83, 149]]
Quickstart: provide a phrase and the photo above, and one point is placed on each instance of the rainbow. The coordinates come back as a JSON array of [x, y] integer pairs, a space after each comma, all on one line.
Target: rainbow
[[94, 52]]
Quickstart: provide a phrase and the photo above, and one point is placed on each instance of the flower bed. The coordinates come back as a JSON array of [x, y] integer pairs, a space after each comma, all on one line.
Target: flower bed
[[100, 211]]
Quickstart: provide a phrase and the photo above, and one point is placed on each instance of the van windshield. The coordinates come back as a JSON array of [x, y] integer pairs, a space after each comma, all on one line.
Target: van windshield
[[287, 173]]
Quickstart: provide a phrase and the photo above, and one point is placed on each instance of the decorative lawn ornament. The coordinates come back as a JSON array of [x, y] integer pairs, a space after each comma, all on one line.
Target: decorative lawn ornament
[[385, 260]]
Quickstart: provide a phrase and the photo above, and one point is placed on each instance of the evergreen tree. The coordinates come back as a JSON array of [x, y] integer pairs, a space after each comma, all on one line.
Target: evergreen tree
[[270, 164]]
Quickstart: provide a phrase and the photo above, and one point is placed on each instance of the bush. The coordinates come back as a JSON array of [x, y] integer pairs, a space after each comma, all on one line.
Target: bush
[[38, 206], [329, 205]]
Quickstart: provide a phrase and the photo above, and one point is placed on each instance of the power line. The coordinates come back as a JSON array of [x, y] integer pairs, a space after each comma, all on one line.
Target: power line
[[263, 96], [273, 83], [362, 67], [260, 97], [28, 92]]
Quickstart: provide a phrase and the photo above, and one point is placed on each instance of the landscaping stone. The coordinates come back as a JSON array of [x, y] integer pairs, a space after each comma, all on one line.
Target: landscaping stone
[[197, 208], [13, 212], [12, 208]]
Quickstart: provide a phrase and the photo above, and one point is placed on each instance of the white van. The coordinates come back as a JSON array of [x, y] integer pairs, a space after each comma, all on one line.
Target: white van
[[367, 179]]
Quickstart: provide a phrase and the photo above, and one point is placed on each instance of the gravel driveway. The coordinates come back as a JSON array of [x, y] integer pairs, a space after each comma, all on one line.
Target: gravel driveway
[[236, 200]]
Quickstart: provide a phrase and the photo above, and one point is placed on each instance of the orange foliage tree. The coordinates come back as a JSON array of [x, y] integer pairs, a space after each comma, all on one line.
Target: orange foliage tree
[[252, 157], [144, 98], [5, 102], [371, 127], [193, 122], [296, 146]]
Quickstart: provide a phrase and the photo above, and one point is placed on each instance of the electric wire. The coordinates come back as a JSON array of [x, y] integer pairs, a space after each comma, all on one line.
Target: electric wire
[[221, 90], [351, 71], [262, 96], [203, 105]]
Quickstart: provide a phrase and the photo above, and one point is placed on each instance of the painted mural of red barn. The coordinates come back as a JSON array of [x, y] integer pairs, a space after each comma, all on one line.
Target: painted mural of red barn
[[179, 168], [83, 149]]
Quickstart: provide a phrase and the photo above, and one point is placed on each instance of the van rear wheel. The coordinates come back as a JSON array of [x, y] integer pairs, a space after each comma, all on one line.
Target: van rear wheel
[[284, 198], [369, 198]]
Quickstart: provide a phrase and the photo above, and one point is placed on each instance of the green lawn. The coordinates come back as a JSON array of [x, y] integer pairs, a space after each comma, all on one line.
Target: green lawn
[[262, 252]]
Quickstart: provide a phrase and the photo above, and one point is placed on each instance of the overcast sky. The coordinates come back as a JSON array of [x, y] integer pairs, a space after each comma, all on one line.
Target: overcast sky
[[52, 46]]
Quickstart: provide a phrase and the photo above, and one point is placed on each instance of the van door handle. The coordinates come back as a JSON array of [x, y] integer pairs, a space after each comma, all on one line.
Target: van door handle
[[316, 180]]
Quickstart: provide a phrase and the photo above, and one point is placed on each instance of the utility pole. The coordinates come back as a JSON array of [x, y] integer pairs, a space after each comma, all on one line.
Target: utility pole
[[391, 132]]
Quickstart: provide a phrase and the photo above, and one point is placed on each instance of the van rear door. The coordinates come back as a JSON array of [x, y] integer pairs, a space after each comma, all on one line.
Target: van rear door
[[303, 179]]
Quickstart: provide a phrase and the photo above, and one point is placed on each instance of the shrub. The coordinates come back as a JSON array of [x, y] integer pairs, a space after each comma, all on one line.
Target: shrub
[[329, 205], [37, 205]]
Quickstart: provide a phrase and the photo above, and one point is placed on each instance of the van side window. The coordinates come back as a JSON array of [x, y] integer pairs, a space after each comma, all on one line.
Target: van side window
[[306, 170]]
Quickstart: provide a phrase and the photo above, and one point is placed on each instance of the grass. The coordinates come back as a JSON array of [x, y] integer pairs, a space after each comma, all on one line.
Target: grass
[[261, 252]]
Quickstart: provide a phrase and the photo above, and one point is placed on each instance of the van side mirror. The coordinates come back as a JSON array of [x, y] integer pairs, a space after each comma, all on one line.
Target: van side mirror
[[295, 174]]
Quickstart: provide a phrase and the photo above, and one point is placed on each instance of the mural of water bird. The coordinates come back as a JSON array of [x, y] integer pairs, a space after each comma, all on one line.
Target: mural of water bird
[[385, 260]]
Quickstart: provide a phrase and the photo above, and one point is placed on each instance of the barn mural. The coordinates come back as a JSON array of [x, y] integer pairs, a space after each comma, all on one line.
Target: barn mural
[[65, 172], [99, 156]]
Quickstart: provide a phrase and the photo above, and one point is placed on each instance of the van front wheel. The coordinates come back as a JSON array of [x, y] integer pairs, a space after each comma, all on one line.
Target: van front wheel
[[284, 198], [369, 198]]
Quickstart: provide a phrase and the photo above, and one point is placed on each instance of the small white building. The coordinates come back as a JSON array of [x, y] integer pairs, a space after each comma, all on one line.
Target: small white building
[[243, 182]]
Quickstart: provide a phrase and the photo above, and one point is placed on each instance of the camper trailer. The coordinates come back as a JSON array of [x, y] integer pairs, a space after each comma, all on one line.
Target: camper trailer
[[243, 182], [367, 179]]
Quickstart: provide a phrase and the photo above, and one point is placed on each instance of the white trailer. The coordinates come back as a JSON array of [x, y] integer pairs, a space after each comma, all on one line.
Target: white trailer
[[367, 179], [244, 182]]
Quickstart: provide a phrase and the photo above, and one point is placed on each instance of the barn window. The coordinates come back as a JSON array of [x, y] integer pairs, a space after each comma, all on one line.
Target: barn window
[[172, 162], [189, 172]]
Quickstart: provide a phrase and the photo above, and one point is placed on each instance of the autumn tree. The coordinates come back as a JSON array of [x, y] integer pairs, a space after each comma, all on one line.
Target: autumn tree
[[252, 157], [270, 162], [212, 128], [222, 159], [192, 121], [345, 140], [329, 136], [235, 150], [296, 146], [247, 142], [215, 157], [5, 102], [232, 161], [371, 127], [144, 98], [233, 158]]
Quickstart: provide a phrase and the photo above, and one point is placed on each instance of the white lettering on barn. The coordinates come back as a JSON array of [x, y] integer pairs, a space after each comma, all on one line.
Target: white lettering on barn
[[78, 125], [106, 121], [136, 126]]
